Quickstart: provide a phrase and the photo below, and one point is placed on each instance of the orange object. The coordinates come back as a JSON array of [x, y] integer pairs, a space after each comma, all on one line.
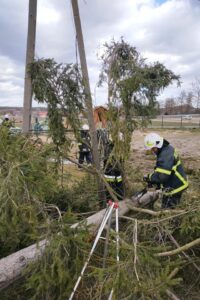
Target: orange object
[[100, 118]]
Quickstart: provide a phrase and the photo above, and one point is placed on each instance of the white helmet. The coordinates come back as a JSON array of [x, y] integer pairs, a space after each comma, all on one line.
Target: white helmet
[[85, 127], [152, 140], [6, 116], [120, 135]]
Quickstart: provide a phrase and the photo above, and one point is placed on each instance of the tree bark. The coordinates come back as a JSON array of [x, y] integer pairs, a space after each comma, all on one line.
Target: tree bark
[[180, 249], [11, 267]]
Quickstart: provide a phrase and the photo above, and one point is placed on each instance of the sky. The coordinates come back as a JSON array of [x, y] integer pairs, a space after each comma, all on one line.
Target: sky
[[165, 31]]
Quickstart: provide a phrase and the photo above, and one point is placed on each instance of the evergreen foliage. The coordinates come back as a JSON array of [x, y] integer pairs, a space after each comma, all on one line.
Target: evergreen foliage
[[54, 275], [140, 274], [60, 87], [133, 86], [34, 205], [25, 183], [80, 197]]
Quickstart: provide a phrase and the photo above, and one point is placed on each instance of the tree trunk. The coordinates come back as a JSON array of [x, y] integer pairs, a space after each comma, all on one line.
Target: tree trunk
[[12, 266]]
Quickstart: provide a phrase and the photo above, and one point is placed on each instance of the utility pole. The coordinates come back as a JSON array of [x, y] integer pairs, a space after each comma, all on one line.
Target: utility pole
[[30, 53], [88, 101], [84, 69]]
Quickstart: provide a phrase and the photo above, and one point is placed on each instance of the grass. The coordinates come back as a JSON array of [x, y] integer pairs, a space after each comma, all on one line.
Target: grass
[[184, 124]]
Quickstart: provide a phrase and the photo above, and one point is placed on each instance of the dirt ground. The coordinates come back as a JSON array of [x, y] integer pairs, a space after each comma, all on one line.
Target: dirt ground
[[187, 143]]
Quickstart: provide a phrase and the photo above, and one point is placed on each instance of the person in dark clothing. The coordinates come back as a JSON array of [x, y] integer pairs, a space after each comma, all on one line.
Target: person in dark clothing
[[113, 173], [7, 122], [84, 146], [168, 172], [37, 127]]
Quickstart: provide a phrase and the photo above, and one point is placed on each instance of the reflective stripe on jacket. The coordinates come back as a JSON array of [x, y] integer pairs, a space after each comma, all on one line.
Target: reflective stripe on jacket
[[113, 178], [169, 171], [84, 144], [112, 171]]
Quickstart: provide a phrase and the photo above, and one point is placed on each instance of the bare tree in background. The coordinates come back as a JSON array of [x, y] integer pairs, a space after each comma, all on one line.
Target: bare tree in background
[[196, 93], [181, 101], [170, 106], [189, 99]]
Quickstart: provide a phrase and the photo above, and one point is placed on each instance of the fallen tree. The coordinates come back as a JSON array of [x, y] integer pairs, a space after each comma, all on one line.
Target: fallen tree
[[12, 266]]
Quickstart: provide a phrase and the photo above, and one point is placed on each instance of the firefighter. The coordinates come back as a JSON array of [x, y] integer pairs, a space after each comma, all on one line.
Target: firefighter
[[37, 127], [7, 122], [168, 172], [113, 172], [84, 146]]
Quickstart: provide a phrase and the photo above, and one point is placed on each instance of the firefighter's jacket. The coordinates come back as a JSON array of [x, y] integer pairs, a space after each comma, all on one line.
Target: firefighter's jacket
[[168, 171], [7, 123], [112, 172], [113, 176], [84, 145]]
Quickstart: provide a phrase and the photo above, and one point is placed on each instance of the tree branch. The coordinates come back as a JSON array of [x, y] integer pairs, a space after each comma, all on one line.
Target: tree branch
[[180, 249], [11, 267], [156, 213]]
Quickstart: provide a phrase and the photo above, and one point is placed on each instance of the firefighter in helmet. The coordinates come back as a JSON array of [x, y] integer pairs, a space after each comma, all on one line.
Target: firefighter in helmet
[[7, 122], [168, 172], [84, 146], [113, 171]]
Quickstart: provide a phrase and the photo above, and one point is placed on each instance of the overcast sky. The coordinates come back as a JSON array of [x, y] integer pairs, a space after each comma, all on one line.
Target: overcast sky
[[166, 31]]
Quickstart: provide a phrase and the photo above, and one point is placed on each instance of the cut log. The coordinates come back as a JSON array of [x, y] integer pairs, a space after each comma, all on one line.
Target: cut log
[[11, 267]]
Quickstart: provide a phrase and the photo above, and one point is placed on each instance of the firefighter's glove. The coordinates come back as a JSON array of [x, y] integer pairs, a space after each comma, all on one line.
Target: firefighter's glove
[[150, 185], [146, 178]]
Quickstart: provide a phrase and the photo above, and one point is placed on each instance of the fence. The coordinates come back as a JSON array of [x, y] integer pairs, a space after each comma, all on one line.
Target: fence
[[175, 121], [162, 121]]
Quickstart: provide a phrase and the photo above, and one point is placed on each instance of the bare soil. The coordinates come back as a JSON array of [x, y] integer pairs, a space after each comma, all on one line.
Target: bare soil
[[187, 143]]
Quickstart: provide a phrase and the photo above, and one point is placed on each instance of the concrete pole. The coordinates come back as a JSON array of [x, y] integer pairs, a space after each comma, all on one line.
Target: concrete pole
[[88, 101], [30, 53], [84, 69]]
